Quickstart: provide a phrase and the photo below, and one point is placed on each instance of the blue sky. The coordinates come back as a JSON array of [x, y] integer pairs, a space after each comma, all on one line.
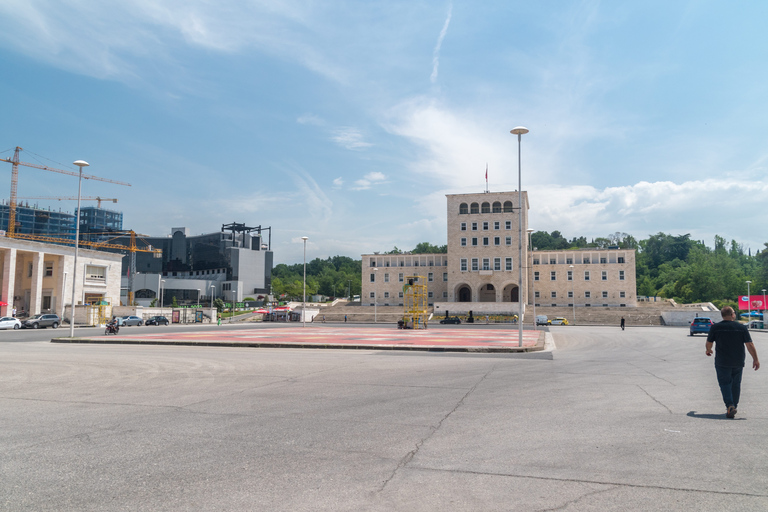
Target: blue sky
[[348, 122]]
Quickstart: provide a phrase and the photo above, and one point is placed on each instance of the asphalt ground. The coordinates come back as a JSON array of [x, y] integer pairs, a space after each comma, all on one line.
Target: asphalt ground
[[446, 338], [616, 421]]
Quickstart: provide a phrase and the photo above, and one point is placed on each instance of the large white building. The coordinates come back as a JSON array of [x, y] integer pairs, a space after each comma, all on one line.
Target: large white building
[[37, 277], [481, 269]]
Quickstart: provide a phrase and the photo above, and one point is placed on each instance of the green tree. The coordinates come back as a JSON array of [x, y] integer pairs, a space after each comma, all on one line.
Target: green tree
[[174, 303], [218, 304], [427, 248]]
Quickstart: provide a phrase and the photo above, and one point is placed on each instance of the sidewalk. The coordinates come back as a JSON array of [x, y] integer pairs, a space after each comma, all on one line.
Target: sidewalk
[[444, 340]]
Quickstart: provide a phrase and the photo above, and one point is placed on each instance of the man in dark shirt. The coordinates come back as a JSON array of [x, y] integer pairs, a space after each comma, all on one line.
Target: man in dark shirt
[[731, 338]]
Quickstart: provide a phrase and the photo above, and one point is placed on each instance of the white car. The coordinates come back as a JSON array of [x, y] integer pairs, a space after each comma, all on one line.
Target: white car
[[8, 322]]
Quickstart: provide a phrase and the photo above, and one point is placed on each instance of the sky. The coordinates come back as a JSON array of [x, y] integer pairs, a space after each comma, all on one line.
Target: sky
[[348, 122]]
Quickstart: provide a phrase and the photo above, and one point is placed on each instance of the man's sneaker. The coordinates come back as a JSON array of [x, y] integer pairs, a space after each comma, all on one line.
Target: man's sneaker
[[731, 412]]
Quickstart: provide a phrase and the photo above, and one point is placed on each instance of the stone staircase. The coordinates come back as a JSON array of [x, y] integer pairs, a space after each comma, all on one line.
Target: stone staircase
[[644, 314]]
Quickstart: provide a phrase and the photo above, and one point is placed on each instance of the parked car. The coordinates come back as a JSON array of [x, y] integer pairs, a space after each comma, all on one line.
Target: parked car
[[38, 321], [131, 320], [8, 322], [542, 320], [701, 325], [157, 320], [756, 324], [451, 320], [559, 321]]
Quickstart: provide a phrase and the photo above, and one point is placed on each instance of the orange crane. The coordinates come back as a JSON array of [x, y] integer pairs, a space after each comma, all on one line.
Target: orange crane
[[49, 198], [11, 233]]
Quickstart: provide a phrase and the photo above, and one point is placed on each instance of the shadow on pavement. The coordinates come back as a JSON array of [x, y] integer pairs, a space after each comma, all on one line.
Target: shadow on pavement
[[693, 414]]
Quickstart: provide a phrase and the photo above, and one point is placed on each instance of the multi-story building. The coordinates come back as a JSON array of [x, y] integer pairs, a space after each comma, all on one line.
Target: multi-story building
[[97, 224], [31, 220], [481, 270]]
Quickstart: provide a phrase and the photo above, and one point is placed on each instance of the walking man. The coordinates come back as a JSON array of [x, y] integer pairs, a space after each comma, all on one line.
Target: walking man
[[731, 338], [622, 323]]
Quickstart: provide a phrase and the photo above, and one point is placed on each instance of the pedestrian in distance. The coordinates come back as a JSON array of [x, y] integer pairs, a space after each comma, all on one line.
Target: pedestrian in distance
[[622, 323], [345, 318], [730, 338]]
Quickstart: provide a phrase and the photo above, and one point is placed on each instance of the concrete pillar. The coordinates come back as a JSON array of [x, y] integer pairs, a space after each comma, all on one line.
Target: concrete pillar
[[60, 292], [9, 280], [36, 286]]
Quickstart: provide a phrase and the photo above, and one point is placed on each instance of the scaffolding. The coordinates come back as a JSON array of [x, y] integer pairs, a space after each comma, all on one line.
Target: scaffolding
[[415, 302]]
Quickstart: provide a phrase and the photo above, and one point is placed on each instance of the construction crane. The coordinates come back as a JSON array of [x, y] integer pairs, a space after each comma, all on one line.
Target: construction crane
[[49, 198], [11, 232], [132, 249]]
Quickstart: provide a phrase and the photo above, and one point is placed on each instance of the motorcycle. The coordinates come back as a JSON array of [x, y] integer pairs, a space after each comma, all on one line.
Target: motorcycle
[[112, 328]]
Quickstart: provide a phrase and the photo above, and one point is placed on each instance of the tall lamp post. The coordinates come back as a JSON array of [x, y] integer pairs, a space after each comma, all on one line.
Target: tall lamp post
[[80, 164], [533, 281], [349, 289], [375, 294], [161, 295], [304, 294], [749, 304], [63, 287], [198, 297], [573, 292], [763, 304], [212, 291], [520, 131]]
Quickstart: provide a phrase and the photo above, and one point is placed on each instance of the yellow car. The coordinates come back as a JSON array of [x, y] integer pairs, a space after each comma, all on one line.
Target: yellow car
[[558, 321]]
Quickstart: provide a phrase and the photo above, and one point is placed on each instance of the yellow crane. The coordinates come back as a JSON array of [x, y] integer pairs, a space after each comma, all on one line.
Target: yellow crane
[[49, 198], [11, 232]]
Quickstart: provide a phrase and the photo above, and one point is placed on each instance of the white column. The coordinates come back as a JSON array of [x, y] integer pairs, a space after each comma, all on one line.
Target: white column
[[60, 291], [9, 280], [36, 285]]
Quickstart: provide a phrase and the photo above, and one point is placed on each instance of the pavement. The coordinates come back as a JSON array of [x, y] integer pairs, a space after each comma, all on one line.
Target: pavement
[[443, 339]]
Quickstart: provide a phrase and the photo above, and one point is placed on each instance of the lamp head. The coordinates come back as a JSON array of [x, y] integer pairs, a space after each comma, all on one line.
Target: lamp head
[[81, 164], [305, 238], [519, 130]]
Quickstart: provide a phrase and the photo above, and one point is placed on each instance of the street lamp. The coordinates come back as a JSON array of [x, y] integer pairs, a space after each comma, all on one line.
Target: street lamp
[[763, 304], [304, 294], [533, 281], [375, 294], [63, 287], [573, 278], [198, 297], [80, 164], [234, 300], [161, 295], [749, 304], [212, 292], [520, 131], [349, 289]]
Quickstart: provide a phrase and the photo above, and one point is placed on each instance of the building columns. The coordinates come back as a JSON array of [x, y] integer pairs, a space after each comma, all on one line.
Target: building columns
[[36, 286], [9, 281]]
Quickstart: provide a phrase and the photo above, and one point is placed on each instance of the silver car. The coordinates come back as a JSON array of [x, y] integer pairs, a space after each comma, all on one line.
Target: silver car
[[131, 320], [39, 321]]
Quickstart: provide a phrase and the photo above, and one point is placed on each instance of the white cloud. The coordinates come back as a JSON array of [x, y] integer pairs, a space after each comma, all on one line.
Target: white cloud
[[338, 182], [375, 176], [350, 138], [436, 51]]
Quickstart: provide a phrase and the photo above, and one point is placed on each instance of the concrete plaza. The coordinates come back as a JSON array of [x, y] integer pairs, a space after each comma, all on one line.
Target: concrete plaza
[[617, 420]]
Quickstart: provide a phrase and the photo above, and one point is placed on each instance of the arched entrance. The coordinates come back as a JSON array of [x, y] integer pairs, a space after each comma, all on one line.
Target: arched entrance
[[511, 293], [465, 294], [487, 293]]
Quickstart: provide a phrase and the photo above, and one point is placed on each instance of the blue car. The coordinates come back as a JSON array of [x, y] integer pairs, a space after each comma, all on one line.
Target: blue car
[[701, 325]]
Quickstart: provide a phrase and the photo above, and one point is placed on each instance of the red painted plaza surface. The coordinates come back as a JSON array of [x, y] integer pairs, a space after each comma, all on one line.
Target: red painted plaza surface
[[373, 337]]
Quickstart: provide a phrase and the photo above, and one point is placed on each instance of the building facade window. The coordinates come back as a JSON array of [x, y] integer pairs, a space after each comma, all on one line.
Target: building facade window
[[508, 240], [569, 261], [400, 277], [463, 264], [621, 259], [445, 277], [536, 294], [445, 295], [48, 271], [474, 241], [373, 295], [496, 225], [508, 224], [474, 226], [497, 264], [463, 226], [400, 295], [463, 241], [605, 295], [386, 295], [621, 275], [474, 208], [586, 295], [553, 276], [485, 226], [604, 275], [429, 295], [622, 294], [586, 275], [475, 264], [570, 275], [95, 273], [386, 278], [508, 263], [373, 277], [430, 277], [497, 240], [486, 240], [508, 208], [486, 263], [570, 295], [535, 276], [463, 209], [554, 295], [496, 207], [486, 207]]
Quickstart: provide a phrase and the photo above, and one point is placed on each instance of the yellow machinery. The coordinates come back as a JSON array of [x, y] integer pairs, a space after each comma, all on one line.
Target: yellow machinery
[[415, 302]]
